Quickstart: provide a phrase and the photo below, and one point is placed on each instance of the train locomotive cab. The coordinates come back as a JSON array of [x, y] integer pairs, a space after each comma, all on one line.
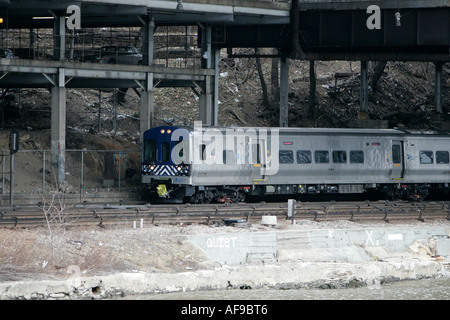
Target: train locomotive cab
[[165, 165]]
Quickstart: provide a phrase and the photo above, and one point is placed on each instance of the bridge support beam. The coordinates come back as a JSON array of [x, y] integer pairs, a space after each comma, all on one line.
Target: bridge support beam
[[438, 87], [312, 87], [58, 106], [146, 113], [58, 133], [284, 92], [209, 98], [364, 89]]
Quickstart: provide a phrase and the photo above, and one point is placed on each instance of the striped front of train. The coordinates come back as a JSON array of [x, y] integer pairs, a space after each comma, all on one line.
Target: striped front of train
[[165, 165]]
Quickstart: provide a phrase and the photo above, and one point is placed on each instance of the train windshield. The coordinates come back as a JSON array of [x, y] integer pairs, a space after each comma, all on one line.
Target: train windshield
[[149, 150], [166, 151]]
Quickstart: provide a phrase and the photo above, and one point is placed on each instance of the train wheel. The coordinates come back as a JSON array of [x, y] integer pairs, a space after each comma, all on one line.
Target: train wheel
[[394, 194], [201, 198], [417, 192]]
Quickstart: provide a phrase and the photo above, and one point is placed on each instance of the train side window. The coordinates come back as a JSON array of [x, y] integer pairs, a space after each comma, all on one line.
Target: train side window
[[321, 156], [304, 156], [202, 152], [356, 156], [396, 154], [442, 157], [426, 157], [165, 151], [339, 157], [286, 156], [256, 153], [150, 150]]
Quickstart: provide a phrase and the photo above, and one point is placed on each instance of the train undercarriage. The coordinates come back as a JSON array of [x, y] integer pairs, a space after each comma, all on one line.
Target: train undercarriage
[[235, 194]]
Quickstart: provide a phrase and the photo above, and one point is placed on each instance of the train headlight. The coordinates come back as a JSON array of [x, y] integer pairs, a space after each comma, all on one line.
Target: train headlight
[[163, 131], [169, 131], [152, 168], [178, 168]]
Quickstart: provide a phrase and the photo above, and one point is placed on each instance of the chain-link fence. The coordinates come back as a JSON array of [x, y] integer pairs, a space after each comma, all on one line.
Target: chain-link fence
[[86, 172]]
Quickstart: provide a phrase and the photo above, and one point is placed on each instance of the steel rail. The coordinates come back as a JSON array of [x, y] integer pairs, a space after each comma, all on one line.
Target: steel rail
[[28, 216]]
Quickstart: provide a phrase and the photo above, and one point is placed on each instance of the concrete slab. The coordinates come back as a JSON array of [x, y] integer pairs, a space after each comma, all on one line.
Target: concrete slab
[[334, 246], [238, 248]]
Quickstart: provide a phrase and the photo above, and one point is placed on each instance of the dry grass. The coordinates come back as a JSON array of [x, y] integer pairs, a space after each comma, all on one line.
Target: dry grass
[[31, 254]]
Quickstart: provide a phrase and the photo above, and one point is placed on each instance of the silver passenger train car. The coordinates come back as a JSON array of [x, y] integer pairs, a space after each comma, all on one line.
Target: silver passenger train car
[[225, 164]]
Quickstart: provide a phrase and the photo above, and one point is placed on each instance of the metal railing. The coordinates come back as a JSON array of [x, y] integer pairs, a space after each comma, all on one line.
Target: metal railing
[[173, 46]]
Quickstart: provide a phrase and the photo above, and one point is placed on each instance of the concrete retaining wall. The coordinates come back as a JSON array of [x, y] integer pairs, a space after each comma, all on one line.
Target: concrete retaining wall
[[238, 248], [298, 258], [337, 245]]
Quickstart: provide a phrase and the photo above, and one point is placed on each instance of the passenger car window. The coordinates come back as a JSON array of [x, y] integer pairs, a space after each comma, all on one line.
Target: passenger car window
[[339, 157], [396, 155], [286, 156], [321, 156], [426, 157], [442, 157], [356, 156], [304, 156], [202, 152], [256, 153]]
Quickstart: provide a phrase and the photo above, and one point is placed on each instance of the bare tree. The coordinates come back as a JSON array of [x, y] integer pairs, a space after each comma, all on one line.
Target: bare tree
[[58, 217], [274, 77], [265, 97], [377, 72]]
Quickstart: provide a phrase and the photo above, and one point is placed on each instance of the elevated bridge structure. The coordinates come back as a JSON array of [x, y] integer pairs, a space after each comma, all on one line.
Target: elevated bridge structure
[[415, 30]]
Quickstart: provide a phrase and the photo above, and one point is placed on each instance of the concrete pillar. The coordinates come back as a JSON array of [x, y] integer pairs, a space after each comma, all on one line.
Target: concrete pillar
[[215, 117], [59, 38], [148, 43], [209, 98], [312, 87], [147, 95], [58, 133], [147, 106], [284, 92], [438, 87], [58, 105], [364, 88]]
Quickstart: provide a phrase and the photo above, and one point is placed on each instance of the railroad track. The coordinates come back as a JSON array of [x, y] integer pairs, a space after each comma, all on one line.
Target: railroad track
[[102, 215]]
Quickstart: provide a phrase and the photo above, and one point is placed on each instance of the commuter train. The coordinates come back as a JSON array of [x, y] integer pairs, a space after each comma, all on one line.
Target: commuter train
[[210, 164]]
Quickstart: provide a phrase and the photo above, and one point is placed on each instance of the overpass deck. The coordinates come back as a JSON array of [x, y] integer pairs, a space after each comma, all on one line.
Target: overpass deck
[[108, 13], [363, 4], [25, 73]]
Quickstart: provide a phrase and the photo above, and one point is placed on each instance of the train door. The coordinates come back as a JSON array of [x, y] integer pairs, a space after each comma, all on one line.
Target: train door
[[258, 160], [397, 162]]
